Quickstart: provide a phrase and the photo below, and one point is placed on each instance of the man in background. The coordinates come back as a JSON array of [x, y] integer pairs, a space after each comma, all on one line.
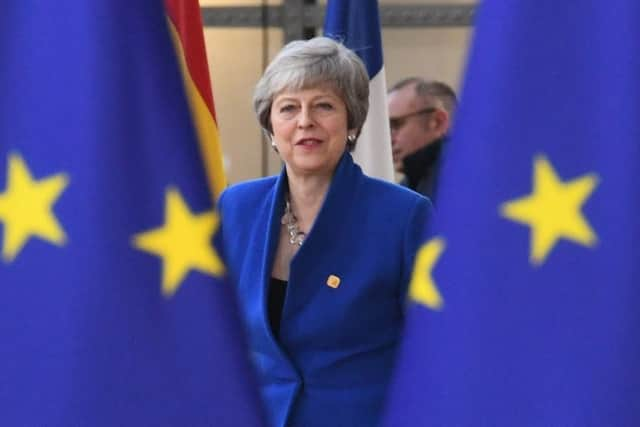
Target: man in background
[[420, 115]]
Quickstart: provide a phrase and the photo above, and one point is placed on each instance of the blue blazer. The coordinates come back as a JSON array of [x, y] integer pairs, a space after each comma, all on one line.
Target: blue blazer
[[333, 360]]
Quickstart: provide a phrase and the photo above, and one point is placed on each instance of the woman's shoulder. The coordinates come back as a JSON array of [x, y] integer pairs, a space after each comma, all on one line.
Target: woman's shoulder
[[393, 193], [251, 186], [247, 192]]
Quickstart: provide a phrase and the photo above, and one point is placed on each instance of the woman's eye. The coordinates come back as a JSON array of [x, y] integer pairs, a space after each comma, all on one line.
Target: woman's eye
[[325, 106], [287, 108]]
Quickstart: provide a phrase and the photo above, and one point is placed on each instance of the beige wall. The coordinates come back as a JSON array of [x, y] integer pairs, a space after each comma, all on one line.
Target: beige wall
[[235, 60], [236, 63], [434, 53]]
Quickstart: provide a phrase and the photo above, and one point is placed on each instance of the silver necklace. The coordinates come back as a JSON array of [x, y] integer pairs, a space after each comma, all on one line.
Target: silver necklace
[[296, 236]]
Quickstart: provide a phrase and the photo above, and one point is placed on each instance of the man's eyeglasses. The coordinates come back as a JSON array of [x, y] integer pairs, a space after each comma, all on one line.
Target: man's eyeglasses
[[396, 123]]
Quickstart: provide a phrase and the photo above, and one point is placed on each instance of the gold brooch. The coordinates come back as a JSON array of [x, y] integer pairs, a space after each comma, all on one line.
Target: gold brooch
[[333, 281]]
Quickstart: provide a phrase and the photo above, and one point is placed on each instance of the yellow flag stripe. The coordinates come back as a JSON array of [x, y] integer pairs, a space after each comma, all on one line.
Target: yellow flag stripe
[[205, 125]]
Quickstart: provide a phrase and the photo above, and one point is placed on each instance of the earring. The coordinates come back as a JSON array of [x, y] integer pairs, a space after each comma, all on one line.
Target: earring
[[351, 138], [273, 145]]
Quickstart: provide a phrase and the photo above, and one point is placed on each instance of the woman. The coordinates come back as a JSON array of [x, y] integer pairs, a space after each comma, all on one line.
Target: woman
[[321, 254]]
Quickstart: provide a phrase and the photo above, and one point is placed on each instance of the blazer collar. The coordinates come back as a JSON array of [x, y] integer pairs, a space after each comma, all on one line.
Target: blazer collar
[[339, 197], [330, 219]]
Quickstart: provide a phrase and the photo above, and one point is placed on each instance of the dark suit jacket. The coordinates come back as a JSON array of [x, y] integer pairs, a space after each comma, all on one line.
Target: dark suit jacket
[[422, 168], [332, 362]]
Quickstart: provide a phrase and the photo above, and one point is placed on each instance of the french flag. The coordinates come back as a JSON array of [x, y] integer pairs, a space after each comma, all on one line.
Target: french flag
[[356, 24]]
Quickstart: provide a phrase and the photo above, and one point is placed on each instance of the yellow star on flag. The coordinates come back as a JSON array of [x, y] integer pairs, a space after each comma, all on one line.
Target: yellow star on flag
[[553, 210], [183, 242], [26, 208], [422, 288]]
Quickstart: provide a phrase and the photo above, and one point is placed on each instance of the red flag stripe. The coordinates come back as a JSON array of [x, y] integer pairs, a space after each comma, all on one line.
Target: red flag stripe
[[186, 18]]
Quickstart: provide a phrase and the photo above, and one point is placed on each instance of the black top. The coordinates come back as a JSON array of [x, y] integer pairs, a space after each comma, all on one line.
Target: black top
[[422, 167], [277, 292]]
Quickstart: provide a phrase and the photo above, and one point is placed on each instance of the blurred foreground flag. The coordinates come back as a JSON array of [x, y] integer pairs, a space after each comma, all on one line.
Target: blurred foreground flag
[[525, 299], [114, 311], [356, 24], [185, 24]]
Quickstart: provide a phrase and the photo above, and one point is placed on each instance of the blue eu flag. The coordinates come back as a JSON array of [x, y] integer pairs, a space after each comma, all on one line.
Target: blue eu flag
[[114, 311], [525, 298]]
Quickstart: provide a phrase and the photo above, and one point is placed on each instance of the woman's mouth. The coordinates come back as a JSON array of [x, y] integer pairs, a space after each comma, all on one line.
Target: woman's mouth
[[308, 142]]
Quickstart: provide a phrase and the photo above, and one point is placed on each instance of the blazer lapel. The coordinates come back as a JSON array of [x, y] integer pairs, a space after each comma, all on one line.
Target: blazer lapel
[[275, 212]]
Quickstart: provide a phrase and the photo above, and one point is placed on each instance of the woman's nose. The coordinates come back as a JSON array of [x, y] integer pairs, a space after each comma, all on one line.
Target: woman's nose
[[305, 118]]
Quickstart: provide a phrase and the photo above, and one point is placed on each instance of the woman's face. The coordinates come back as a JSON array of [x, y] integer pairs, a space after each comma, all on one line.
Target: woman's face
[[309, 129]]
